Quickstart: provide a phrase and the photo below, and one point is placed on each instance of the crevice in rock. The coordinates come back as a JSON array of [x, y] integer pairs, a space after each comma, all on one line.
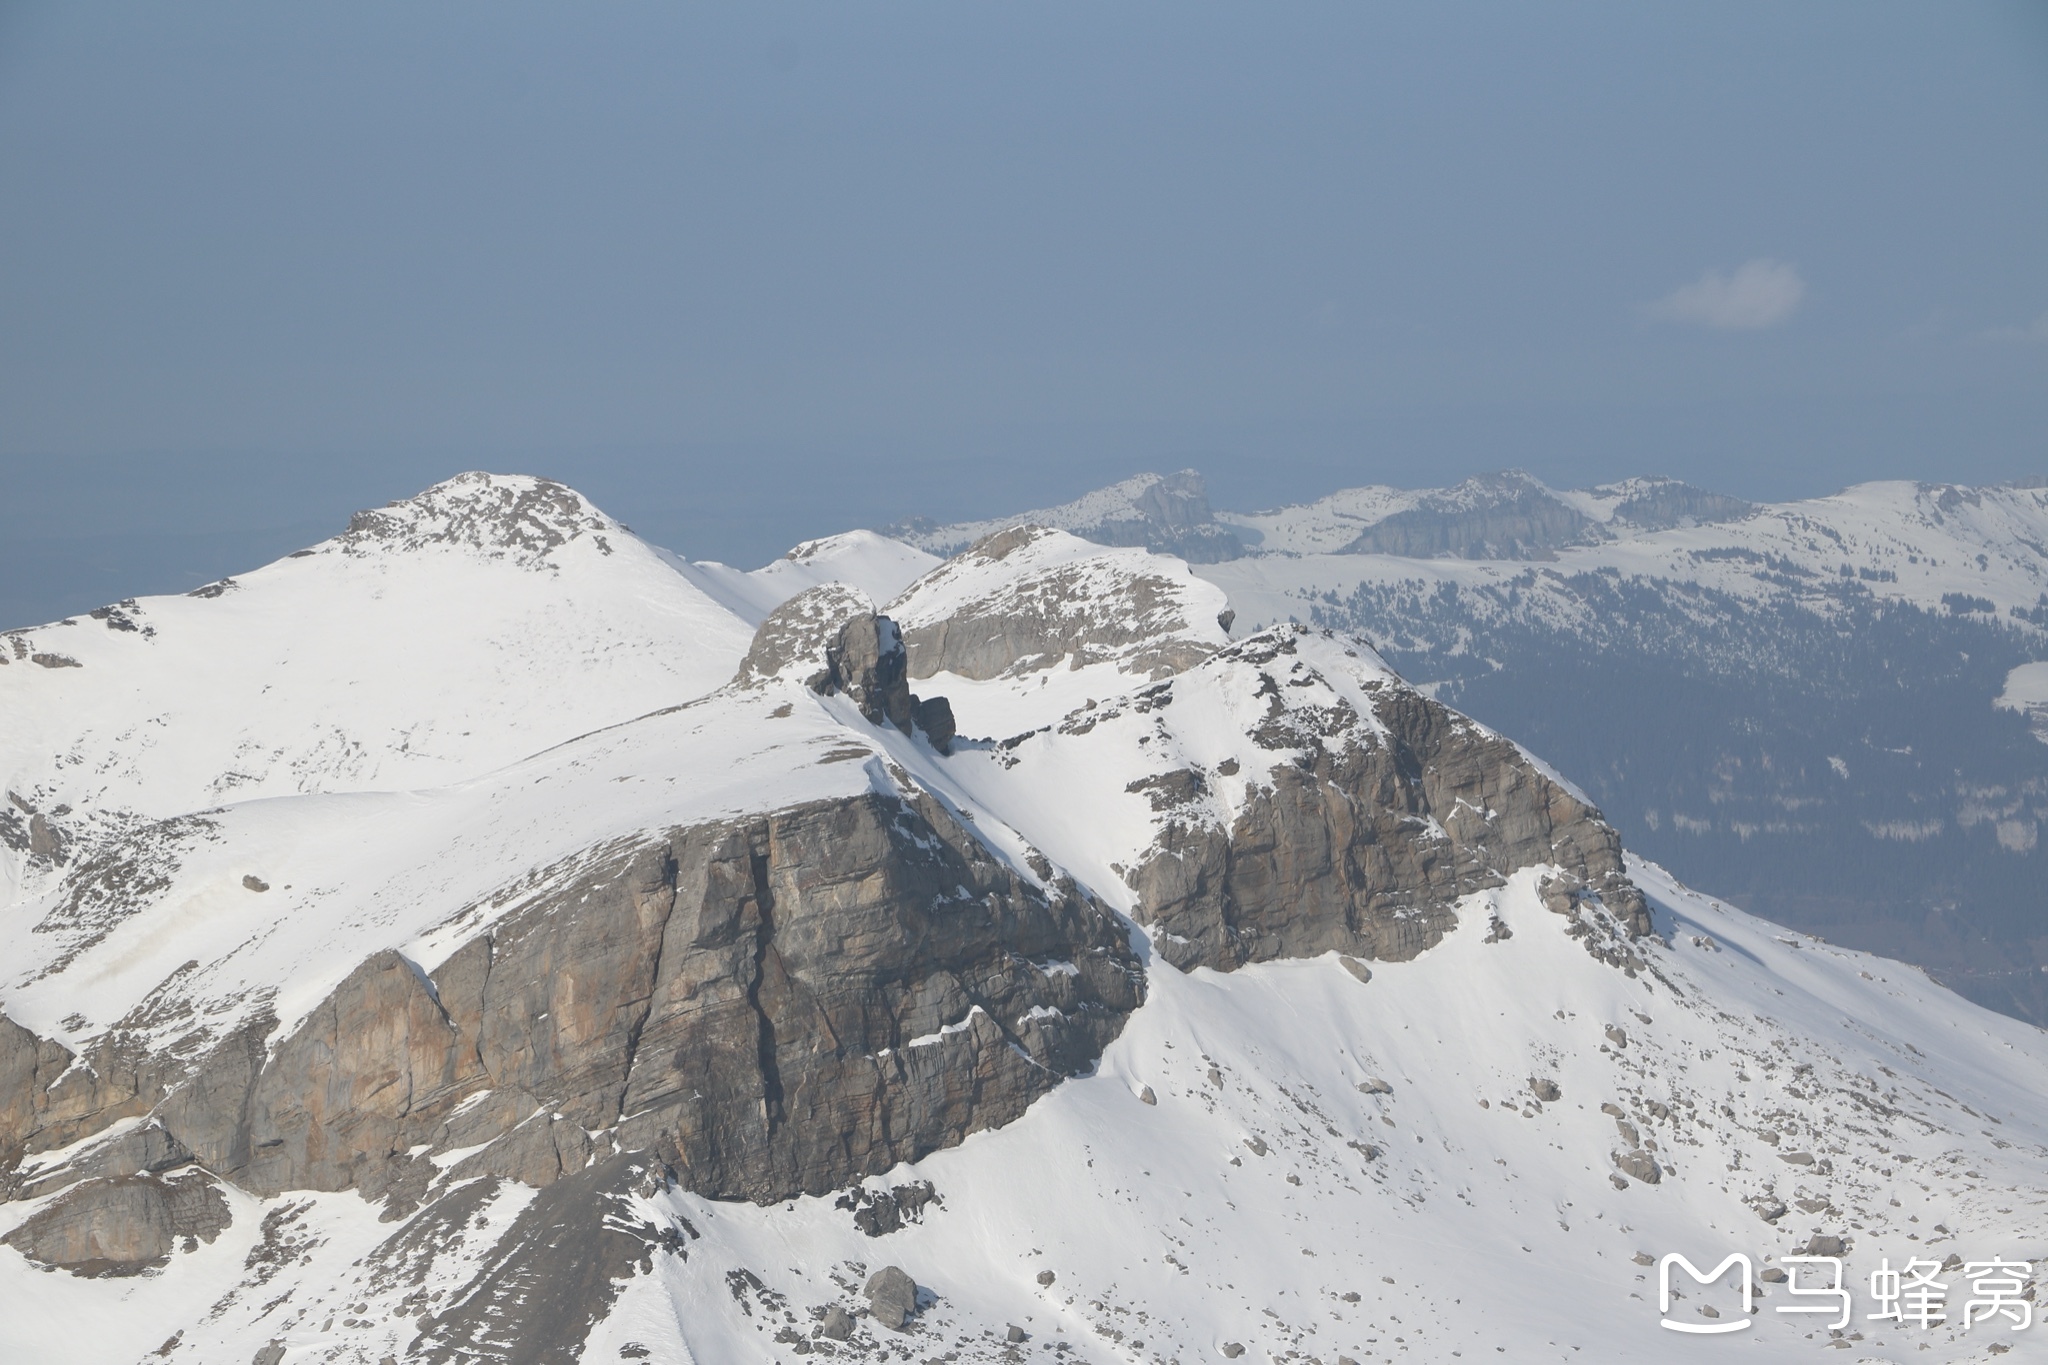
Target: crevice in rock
[[669, 872], [764, 945]]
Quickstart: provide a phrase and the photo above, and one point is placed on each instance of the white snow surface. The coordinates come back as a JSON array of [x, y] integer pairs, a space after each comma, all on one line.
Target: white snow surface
[[365, 663], [1117, 502], [1911, 542], [1324, 526], [875, 564], [2026, 691], [1331, 1168]]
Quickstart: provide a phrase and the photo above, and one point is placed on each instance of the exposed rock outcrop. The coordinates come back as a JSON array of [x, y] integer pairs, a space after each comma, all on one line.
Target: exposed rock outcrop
[[831, 637], [123, 1226], [1508, 515], [1029, 598], [1365, 839], [514, 517], [795, 636], [866, 661], [552, 1275], [774, 1005]]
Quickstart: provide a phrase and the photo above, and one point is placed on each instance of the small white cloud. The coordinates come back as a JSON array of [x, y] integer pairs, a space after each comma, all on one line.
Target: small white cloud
[[1759, 293], [2037, 332]]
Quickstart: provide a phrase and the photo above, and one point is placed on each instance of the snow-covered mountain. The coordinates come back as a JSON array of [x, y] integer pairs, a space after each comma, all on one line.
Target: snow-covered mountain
[[1797, 706], [1165, 512], [1128, 992], [1509, 515], [1820, 709]]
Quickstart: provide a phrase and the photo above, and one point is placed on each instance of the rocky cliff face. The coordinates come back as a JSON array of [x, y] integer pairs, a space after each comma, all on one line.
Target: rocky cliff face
[[775, 1006], [1364, 837]]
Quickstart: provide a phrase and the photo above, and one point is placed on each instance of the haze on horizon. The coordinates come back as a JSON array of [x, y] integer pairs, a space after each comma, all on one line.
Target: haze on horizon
[[746, 276]]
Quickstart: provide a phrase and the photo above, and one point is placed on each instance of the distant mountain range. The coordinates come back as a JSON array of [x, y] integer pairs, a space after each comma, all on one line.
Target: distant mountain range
[[1819, 709]]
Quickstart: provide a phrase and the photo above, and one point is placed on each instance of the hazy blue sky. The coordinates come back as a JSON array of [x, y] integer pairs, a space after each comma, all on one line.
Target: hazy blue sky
[[752, 272]]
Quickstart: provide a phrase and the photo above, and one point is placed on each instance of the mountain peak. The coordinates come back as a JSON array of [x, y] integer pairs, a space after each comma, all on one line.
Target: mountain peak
[[515, 516], [1167, 513]]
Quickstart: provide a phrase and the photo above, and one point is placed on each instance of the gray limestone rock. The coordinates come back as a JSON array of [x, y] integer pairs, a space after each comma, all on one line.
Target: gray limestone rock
[[866, 661], [1066, 615], [892, 1297], [838, 1324], [1365, 840], [1508, 515], [552, 1275], [743, 995], [934, 716], [794, 637], [1639, 1164], [122, 1226]]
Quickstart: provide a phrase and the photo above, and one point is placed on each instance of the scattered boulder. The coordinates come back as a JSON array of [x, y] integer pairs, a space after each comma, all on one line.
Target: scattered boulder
[[838, 1324], [1819, 1245], [1639, 1164], [1355, 967], [1016, 1334], [1617, 1036], [934, 716], [892, 1297], [1545, 1089], [881, 1212], [252, 882], [866, 661], [1046, 1277]]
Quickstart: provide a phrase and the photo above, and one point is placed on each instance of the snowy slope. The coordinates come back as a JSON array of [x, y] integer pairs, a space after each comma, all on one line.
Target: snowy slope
[[437, 639], [1324, 526], [1168, 512], [877, 565], [1284, 1162]]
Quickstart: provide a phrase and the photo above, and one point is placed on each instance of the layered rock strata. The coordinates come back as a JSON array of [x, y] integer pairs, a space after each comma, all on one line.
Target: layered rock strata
[[773, 1006], [1028, 598], [1364, 835]]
